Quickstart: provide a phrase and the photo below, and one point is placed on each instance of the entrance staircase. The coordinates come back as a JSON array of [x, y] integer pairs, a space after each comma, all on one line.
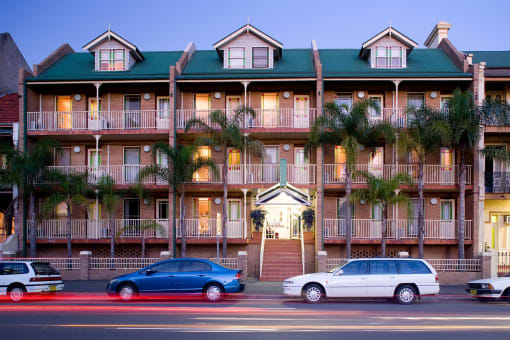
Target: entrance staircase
[[281, 260]]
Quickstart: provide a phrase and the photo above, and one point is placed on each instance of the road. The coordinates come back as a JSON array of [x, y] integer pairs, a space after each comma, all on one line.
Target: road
[[252, 316]]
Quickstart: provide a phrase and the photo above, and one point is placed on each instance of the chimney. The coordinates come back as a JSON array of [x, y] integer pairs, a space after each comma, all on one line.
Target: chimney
[[439, 33]]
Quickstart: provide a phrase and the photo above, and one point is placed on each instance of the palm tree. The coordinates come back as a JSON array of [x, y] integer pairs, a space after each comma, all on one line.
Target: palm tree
[[71, 189], [182, 164], [349, 129], [461, 131], [105, 192], [24, 170], [383, 192], [422, 138], [224, 131]]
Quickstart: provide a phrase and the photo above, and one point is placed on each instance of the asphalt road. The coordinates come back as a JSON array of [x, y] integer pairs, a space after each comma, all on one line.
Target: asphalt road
[[254, 315]]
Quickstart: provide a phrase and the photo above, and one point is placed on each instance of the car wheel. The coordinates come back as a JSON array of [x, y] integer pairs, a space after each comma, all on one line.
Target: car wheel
[[213, 292], [17, 293], [405, 295], [313, 293], [127, 291]]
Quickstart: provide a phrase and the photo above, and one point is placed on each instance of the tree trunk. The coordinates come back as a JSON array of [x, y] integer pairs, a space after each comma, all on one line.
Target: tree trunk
[[348, 213], [421, 219], [383, 231], [112, 238], [462, 203], [225, 197], [184, 232], [33, 229], [68, 227]]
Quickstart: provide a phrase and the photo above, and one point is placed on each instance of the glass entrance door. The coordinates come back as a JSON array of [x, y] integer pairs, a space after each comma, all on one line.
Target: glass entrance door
[[234, 224], [269, 110], [234, 166], [300, 171], [202, 223], [270, 169], [131, 164], [131, 222], [132, 113]]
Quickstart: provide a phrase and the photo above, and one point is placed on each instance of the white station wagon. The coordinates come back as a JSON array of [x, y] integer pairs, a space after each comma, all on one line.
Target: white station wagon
[[19, 278], [404, 279]]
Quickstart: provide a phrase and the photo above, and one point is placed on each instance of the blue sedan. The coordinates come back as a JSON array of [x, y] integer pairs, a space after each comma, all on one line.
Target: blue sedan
[[181, 276]]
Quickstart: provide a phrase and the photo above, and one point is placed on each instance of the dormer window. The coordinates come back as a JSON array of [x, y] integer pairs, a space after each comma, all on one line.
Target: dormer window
[[260, 57], [388, 57], [112, 59], [236, 57]]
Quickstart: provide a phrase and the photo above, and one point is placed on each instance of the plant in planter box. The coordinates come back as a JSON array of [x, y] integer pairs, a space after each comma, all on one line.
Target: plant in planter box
[[308, 218], [258, 217]]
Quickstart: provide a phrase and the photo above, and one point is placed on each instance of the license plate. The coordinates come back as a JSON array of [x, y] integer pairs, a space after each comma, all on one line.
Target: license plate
[[473, 291], [53, 288]]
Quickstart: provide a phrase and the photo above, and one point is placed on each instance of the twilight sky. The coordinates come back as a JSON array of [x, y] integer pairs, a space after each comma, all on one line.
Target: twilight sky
[[39, 27]]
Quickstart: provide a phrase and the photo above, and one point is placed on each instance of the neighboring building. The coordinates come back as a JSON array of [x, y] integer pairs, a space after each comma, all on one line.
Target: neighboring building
[[11, 60], [108, 107]]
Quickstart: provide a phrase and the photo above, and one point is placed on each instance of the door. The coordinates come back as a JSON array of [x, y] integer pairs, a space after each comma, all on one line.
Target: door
[[415, 101], [375, 231], [382, 279], [234, 224], [232, 104], [234, 166], [496, 179], [131, 164], [447, 228], [95, 226], [352, 282], [412, 221], [301, 112], [94, 170], [64, 114], [376, 161], [203, 174], [270, 168], [447, 173], [202, 225], [132, 113], [341, 213], [339, 170], [193, 275], [162, 161], [62, 158], [163, 113], [202, 107], [270, 110], [376, 114], [161, 279], [162, 213], [301, 170], [131, 223], [95, 121]]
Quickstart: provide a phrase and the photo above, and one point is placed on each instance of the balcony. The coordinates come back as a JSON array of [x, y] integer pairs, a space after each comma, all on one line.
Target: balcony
[[206, 228], [89, 120], [497, 182], [288, 118], [368, 229], [84, 229], [256, 174], [433, 174]]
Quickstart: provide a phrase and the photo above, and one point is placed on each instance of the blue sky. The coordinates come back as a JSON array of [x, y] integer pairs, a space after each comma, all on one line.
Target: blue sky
[[39, 27]]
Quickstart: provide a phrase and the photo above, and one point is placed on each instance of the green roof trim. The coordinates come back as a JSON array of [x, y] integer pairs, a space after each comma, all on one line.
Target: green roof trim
[[80, 66], [294, 63], [494, 59], [422, 63]]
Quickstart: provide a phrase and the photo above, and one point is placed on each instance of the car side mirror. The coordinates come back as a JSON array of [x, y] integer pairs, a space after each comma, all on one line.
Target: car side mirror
[[149, 272], [339, 272]]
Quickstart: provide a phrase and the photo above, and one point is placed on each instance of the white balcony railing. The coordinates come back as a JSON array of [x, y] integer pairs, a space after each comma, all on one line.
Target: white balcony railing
[[90, 120], [198, 228], [53, 229], [433, 174], [370, 229], [264, 118]]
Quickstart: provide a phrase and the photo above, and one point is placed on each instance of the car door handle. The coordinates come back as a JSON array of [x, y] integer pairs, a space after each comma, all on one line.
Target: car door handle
[[201, 275], [171, 275]]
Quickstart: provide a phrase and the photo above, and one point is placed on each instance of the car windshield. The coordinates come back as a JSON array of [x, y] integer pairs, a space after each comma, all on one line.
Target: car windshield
[[336, 268], [44, 269]]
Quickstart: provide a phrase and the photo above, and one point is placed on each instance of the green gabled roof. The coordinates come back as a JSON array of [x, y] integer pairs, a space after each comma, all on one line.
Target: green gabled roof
[[422, 63], [294, 63], [80, 66], [494, 59]]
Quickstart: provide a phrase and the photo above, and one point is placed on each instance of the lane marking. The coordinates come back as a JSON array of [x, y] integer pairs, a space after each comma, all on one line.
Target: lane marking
[[441, 317]]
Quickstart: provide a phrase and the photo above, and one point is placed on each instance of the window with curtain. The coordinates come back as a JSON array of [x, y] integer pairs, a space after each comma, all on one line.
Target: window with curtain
[[63, 156], [446, 159], [344, 99], [260, 57], [112, 59], [380, 57], [416, 100], [236, 57]]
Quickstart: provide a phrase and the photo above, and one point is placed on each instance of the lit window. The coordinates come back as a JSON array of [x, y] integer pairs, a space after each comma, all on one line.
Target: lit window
[[260, 56], [339, 162], [446, 159], [236, 57], [112, 59]]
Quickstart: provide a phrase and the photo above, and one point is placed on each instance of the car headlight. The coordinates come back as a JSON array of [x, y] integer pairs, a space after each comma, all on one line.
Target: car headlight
[[288, 283], [487, 286]]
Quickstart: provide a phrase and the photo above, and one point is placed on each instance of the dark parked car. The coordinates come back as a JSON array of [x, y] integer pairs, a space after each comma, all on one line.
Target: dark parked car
[[178, 276]]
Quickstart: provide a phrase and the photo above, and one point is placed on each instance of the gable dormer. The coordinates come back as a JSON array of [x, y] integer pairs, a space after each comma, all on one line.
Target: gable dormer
[[112, 52], [248, 48], [387, 49]]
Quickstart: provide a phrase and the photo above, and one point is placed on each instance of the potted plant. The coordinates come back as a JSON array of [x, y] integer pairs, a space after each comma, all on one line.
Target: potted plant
[[258, 217], [308, 218]]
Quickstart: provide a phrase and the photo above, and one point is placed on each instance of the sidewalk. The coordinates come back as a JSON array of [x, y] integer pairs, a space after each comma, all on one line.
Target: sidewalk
[[253, 286]]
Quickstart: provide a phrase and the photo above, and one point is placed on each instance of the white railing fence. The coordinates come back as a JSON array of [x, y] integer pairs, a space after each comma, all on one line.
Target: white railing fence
[[98, 263], [198, 228], [229, 262]]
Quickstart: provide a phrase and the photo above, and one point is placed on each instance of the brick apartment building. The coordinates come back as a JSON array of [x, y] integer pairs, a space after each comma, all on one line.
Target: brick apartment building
[[108, 106]]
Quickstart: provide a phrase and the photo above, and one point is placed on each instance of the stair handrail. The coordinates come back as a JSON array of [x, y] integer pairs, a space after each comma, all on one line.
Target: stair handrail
[[302, 246], [262, 248]]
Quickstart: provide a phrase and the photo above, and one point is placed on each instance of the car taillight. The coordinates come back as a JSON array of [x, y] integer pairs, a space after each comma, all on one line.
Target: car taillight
[[238, 276], [437, 278], [44, 279]]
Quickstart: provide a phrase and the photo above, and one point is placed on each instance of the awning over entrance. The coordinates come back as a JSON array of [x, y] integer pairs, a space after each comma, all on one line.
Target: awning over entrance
[[283, 195]]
